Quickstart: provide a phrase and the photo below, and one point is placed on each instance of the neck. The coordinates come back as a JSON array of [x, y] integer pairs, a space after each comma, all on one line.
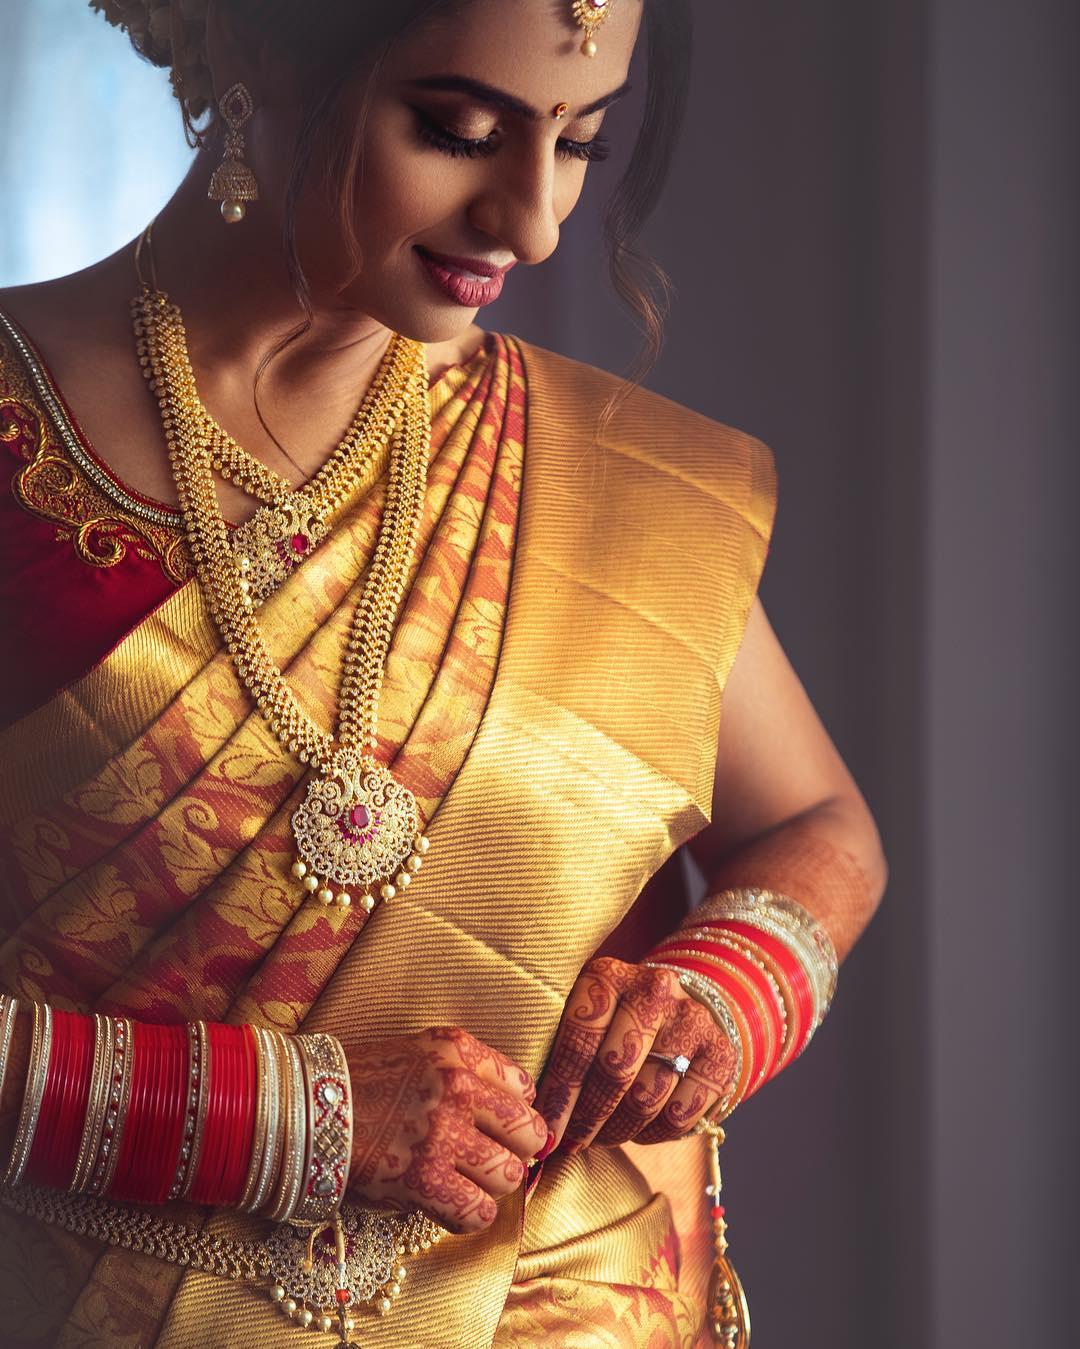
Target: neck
[[233, 289]]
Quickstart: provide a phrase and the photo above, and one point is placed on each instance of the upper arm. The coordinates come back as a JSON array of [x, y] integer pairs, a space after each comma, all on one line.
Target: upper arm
[[775, 759]]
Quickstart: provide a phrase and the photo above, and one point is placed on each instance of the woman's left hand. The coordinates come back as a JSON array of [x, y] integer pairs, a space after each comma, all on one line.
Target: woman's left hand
[[601, 1086]]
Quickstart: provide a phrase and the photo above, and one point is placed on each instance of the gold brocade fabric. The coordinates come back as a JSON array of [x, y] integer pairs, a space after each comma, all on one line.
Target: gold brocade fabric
[[553, 699]]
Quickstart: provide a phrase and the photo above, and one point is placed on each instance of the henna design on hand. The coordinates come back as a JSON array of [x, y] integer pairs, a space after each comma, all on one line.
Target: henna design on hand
[[617, 1013], [439, 1119]]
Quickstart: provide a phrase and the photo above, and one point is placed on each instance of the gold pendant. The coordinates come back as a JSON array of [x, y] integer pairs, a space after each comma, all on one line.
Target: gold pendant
[[729, 1312], [358, 828], [323, 1277], [273, 543]]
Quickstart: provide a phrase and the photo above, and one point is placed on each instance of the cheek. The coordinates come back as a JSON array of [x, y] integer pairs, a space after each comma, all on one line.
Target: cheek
[[407, 187]]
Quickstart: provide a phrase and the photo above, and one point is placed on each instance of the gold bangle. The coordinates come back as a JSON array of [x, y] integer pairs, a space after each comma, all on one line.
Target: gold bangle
[[258, 1133], [96, 1104], [197, 1101], [287, 1192], [119, 1097], [184, 1169], [40, 1047], [275, 1122], [329, 1108], [9, 1011]]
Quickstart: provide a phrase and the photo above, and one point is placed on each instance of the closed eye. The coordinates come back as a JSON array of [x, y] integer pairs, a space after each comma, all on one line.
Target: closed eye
[[437, 135]]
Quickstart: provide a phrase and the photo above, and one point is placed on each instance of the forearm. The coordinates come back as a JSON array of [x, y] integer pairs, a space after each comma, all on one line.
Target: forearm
[[829, 859]]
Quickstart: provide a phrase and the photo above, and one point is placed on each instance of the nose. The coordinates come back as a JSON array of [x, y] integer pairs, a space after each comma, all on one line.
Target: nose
[[518, 204]]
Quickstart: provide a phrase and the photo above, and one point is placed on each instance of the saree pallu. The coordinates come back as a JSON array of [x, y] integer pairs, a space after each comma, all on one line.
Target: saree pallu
[[552, 697]]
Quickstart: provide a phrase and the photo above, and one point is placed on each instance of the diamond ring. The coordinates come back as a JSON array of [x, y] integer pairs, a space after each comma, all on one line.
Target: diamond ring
[[678, 1063]]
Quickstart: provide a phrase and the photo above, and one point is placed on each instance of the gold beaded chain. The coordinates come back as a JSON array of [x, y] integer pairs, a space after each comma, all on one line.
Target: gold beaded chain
[[358, 827], [294, 521]]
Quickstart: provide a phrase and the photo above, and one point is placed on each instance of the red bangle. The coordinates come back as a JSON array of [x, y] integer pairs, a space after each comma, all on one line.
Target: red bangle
[[240, 1137], [169, 1113], [209, 1157], [757, 977], [797, 975], [133, 1134], [223, 1110], [781, 973], [161, 1117], [56, 1138], [77, 1099], [233, 1106]]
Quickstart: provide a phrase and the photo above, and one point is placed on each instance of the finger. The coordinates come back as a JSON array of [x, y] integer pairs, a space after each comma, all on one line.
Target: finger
[[652, 1002], [589, 1012], [694, 1097], [613, 1071], [647, 1096], [490, 1065], [433, 1183], [495, 1169], [510, 1122]]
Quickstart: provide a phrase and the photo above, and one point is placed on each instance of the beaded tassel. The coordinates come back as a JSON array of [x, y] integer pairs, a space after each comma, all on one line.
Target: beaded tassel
[[729, 1314]]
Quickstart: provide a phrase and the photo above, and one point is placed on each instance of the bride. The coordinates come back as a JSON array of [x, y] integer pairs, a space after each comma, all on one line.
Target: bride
[[369, 665]]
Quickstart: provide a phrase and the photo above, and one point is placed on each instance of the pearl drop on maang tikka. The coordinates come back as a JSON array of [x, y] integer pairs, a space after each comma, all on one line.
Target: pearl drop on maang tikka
[[590, 14]]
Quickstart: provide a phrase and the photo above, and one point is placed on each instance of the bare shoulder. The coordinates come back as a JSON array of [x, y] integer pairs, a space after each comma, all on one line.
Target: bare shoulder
[[64, 311]]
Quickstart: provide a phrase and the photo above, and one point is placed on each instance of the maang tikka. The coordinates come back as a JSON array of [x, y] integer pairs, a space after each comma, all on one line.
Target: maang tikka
[[233, 182], [590, 14]]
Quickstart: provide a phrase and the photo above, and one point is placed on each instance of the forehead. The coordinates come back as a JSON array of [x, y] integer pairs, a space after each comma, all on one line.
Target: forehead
[[530, 48]]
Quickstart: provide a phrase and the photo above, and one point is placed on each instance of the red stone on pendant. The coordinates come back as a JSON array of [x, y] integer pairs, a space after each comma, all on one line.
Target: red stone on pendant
[[359, 817], [343, 1296], [717, 1211], [299, 543]]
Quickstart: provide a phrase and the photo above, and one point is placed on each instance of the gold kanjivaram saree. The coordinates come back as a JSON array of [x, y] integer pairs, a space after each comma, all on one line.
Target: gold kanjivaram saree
[[552, 698]]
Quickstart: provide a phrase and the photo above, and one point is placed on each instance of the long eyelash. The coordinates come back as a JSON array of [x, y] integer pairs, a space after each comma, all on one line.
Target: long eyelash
[[594, 150]]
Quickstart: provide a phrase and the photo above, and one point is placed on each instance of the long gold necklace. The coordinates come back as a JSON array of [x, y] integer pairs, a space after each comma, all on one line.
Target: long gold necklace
[[294, 521], [358, 828]]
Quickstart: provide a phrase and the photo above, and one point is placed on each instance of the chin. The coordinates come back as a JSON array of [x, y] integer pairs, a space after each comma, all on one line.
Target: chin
[[430, 326]]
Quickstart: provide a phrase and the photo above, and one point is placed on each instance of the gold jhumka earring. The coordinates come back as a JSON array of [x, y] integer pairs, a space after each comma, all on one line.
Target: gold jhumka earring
[[232, 182], [590, 14]]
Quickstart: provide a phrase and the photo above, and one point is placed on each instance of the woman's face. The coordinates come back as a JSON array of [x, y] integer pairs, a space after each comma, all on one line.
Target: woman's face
[[500, 199]]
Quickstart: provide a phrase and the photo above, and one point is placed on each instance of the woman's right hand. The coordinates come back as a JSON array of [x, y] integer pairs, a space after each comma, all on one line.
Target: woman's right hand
[[441, 1122]]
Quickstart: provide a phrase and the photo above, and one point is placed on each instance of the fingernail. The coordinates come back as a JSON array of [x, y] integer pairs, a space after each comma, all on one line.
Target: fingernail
[[549, 1144]]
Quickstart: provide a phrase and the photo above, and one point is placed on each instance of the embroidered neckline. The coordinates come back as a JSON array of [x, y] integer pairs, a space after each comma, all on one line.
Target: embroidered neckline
[[94, 469]]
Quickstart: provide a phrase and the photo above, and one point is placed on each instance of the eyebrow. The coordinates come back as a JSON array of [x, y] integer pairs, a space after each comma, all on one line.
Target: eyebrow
[[499, 98]]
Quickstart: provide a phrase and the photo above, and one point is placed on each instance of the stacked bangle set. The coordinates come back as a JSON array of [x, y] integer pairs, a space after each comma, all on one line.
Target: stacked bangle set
[[767, 971], [117, 1112], [218, 1114]]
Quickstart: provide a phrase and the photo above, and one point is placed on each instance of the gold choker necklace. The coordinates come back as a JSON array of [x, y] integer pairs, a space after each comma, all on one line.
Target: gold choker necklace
[[357, 833]]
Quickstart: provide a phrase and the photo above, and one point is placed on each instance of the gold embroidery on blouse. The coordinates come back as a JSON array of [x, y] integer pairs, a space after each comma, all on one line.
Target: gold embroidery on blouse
[[54, 485]]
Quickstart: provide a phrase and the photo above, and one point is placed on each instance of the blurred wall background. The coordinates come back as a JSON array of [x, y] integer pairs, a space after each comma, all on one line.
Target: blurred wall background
[[872, 226]]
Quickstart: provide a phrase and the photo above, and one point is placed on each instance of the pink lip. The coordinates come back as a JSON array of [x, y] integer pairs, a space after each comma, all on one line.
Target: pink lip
[[442, 268]]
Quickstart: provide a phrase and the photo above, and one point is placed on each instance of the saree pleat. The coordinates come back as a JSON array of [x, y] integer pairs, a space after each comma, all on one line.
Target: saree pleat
[[553, 696]]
